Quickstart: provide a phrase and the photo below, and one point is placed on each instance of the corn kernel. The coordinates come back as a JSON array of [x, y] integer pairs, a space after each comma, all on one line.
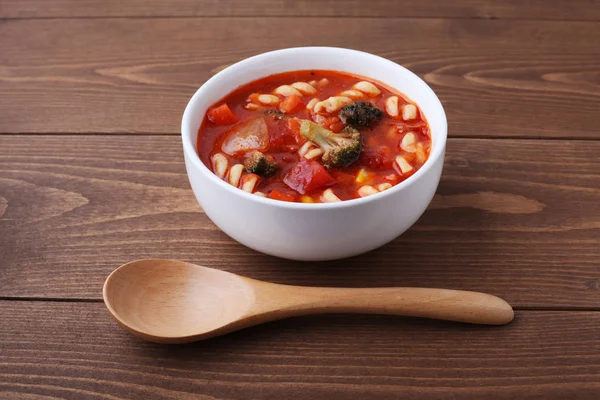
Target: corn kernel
[[362, 176], [306, 199]]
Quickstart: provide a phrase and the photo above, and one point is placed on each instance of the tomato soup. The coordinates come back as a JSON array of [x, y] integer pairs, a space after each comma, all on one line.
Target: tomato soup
[[314, 137]]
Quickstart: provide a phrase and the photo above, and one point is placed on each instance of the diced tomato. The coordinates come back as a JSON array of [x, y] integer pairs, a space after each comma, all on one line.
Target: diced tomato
[[376, 158], [332, 123], [342, 178], [278, 195], [337, 126], [328, 122], [373, 158], [286, 136], [308, 175], [293, 125], [291, 104], [222, 115], [388, 159], [247, 136]]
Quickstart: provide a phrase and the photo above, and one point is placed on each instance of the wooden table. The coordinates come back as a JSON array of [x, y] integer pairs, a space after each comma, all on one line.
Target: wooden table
[[92, 176]]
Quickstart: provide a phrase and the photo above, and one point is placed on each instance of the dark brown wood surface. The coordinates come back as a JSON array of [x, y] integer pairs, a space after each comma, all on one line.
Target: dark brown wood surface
[[508, 216], [81, 353], [501, 78], [586, 10], [92, 176]]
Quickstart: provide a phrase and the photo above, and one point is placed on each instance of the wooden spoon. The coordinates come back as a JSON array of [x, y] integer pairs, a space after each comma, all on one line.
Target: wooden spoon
[[170, 301]]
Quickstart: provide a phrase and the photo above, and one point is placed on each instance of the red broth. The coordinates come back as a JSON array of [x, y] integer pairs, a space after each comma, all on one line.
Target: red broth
[[266, 115]]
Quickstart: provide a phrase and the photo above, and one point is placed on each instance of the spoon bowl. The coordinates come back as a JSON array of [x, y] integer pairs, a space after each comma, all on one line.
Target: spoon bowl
[[175, 300], [170, 301]]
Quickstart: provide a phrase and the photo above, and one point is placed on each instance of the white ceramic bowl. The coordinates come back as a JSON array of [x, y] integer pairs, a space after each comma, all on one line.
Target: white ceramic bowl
[[314, 231]]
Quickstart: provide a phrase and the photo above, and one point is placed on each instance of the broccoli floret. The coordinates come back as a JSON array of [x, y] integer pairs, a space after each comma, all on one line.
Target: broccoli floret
[[349, 129], [339, 149], [260, 164], [360, 114]]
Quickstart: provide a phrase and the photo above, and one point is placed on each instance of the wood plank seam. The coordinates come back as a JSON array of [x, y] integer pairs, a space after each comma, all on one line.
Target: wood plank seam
[[165, 16]]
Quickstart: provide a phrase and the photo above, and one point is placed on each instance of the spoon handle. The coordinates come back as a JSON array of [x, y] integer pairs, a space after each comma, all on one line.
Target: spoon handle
[[445, 304]]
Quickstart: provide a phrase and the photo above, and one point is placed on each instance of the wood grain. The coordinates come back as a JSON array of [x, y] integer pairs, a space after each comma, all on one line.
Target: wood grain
[[500, 78], [82, 353], [513, 9], [516, 218]]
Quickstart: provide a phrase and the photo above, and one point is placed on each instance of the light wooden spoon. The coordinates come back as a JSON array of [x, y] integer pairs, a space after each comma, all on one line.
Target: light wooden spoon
[[170, 301]]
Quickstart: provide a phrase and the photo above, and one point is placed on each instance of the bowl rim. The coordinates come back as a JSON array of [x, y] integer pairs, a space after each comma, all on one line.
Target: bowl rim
[[193, 157]]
